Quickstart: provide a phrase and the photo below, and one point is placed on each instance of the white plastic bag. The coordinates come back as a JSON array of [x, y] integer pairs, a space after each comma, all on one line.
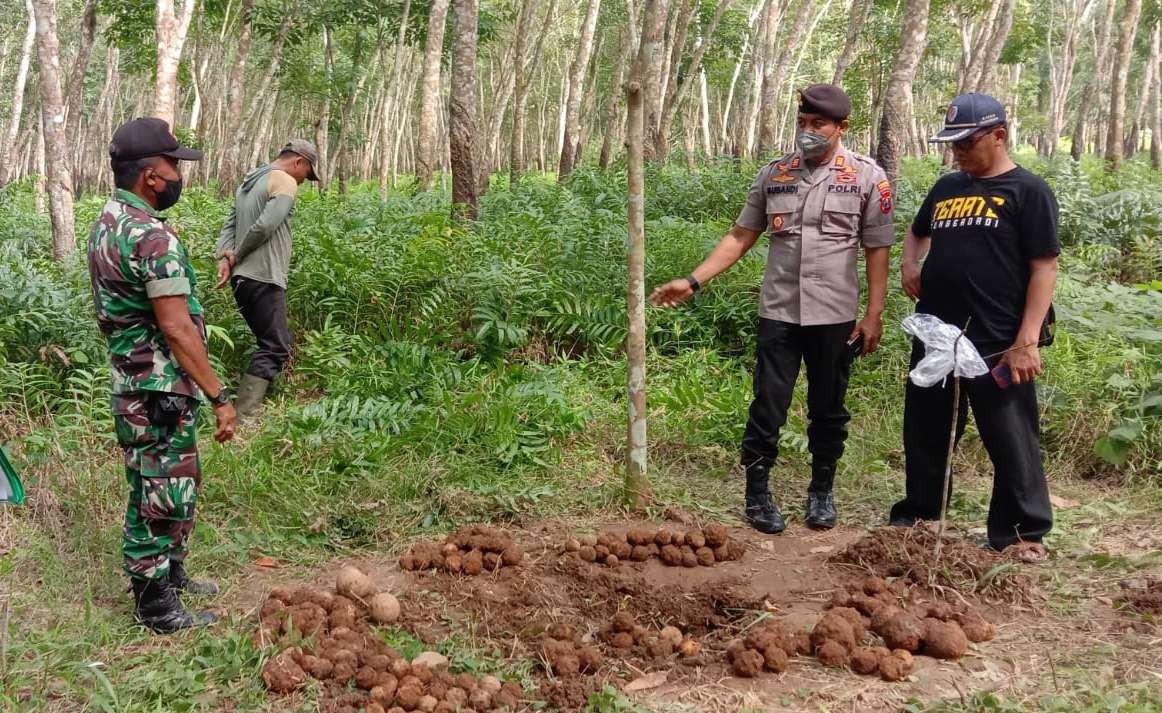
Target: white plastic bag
[[938, 339]]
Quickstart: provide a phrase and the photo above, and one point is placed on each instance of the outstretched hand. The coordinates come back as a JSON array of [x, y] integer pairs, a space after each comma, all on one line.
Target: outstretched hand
[[671, 294]]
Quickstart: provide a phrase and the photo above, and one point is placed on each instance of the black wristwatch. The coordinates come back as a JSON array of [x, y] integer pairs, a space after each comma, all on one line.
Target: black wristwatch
[[695, 285], [222, 398]]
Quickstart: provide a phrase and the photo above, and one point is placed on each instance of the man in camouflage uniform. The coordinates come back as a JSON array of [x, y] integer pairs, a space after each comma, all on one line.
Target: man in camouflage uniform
[[144, 289]]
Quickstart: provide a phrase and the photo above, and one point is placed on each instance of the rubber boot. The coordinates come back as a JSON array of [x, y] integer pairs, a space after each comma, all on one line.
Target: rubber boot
[[180, 581], [157, 607], [761, 511], [251, 391], [820, 510]]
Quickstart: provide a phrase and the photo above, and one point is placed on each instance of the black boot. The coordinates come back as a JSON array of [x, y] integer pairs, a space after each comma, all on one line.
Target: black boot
[[158, 608], [761, 511], [179, 580], [821, 513]]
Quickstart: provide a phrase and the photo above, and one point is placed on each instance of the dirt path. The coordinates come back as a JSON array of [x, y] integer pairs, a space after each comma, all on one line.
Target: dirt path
[[791, 577]]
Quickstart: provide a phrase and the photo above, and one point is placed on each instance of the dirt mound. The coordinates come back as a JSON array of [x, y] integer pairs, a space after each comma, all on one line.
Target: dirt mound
[[1143, 598], [909, 554], [693, 547], [469, 550], [329, 638]]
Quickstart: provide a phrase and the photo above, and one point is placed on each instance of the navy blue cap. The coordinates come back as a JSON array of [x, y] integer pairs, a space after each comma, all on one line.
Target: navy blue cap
[[968, 113]]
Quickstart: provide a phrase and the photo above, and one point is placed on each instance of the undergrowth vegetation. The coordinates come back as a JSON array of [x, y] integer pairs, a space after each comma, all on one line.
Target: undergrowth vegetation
[[442, 372]]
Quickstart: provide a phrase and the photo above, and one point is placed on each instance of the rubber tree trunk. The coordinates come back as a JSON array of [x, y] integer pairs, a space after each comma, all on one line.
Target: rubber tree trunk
[[857, 16], [52, 102], [8, 152], [228, 169], [774, 71], [650, 76], [693, 73], [996, 43], [1156, 103], [1090, 93], [637, 483], [386, 151], [611, 107], [1061, 70], [75, 95], [171, 38], [323, 123], [430, 99], [462, 110], [894, 129], [570, 147], [1124, 54]]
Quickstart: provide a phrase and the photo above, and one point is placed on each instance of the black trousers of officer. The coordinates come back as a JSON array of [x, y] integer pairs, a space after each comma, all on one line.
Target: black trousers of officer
[[263, 306], [1010, 428], [782, 347]]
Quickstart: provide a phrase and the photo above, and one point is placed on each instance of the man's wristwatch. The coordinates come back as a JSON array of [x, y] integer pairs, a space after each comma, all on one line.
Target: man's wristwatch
[[695, 285], [222, 398]]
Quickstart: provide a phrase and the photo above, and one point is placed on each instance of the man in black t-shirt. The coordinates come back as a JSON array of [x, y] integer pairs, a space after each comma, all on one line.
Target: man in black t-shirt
[[990, 234]]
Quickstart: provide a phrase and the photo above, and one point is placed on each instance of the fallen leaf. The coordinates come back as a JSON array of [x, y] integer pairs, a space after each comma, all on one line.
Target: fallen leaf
[[677, 514], [266, 561], [648, 681], [318, 525], [1060, 502], [821, 550]]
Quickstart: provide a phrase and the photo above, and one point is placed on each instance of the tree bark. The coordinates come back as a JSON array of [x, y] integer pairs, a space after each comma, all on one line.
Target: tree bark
[[171, 38], [577, 73], [897, 95], [611, 106], [1148, 71], [637, 485], [342, 170], [1089, 94], [429, 103], [1125, 53], [774, 72], [235, 99], [387, 149], [462, 110], [8, 150], [975, 42], [52, 102], [857, 16], [76, 91], [1156, 113], [992, 53], [323, 123], [650, 76], [1061, 72], [693, 73]]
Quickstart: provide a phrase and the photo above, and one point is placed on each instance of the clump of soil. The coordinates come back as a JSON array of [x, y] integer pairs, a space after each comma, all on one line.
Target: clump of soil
[[676, 548], [1143, 599], [469, 550], [566, 656], [329, 638], [623, 634], [908, 554], [768, 646]]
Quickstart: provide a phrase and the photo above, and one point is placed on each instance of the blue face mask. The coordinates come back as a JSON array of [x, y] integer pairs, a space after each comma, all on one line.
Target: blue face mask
[[811, 144]]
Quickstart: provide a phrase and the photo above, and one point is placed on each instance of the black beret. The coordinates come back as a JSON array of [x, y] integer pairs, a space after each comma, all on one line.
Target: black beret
[[826, 99]]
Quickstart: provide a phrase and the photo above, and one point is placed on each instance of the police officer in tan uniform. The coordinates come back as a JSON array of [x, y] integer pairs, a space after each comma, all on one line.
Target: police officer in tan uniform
[[820, 205]]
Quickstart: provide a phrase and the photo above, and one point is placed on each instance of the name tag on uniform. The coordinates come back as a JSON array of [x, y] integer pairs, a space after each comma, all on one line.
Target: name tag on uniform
[[782, 189], [844, 188]]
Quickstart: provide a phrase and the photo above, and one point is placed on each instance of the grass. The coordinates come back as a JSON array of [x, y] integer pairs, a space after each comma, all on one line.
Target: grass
[[444, 375]]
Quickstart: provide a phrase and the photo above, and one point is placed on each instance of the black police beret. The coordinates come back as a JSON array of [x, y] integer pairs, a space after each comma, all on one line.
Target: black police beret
[[826, 99]]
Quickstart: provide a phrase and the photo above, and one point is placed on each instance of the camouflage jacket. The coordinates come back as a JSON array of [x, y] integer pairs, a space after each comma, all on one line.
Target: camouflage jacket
[[134, 257]]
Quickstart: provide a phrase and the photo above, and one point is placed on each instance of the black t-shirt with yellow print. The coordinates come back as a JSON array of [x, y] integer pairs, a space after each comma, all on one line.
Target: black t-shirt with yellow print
[[984, 232]]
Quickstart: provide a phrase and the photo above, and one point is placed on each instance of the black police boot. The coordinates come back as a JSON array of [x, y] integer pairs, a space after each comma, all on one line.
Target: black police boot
[[179, 580], [761, 511], [157, 608], [821, 514]]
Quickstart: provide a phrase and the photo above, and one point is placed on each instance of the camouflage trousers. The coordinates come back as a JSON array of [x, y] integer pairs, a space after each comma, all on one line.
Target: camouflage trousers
[[163, 472]]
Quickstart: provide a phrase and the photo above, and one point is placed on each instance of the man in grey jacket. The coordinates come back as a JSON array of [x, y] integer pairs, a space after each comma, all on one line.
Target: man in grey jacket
[[254, 251]]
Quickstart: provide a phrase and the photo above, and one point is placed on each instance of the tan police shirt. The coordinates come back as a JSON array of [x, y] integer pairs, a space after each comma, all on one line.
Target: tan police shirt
[[817, 222]]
